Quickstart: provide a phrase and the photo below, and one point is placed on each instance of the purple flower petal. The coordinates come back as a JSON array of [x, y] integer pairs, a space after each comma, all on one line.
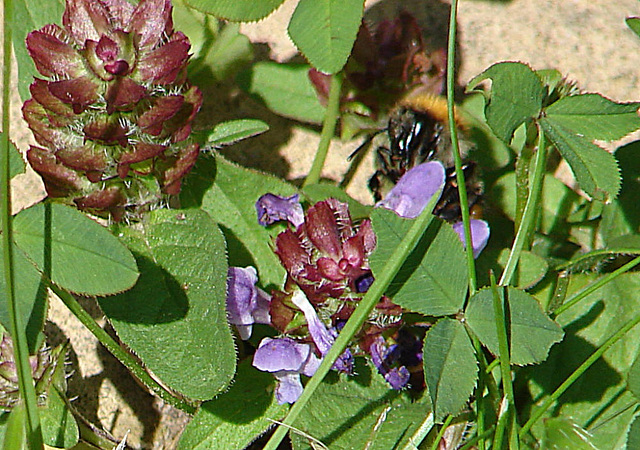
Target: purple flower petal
[[322, 337], [414, 190], [286, 359], [246, 304], [383, 357], [281, 354], [479, 234], [398, 377], [289, 387], [318, 331], [272, 208]]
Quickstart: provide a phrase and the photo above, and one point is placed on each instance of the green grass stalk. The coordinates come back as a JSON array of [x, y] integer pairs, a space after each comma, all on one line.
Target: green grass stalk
[[18, 332]]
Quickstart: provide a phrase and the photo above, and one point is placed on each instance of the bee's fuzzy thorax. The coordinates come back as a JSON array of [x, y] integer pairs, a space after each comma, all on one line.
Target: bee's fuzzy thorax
[[435, 106]]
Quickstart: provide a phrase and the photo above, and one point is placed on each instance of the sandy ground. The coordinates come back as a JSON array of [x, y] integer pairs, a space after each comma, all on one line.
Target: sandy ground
[[587, 40]]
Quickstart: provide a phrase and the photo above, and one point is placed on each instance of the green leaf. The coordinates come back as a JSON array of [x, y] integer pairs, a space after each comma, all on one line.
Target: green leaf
[[557, 201], [531, 268], [595, 169], [358, 412], [227, 133], [322, 191], [236, 10], [532, 331], [174, 318], [59, 427], [433, 280], [450, 370], [622, 215], [634, 24], [598, 400], [76, 253], [218, 47], [516, 96], [228, 53], [285, 89], [228, 193], [237, 417], [16, 163], [31, 297], [562, 433], [490, 152], [30, 15], [633, 378], [633, 436], [324, 31], [15, 437], [593, 116]]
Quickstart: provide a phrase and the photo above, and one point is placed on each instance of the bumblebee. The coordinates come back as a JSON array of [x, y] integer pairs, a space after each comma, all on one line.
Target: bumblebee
[[417, 132]]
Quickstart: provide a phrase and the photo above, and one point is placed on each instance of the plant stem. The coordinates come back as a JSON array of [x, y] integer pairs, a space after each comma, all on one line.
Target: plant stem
[[18, 332], [530, 211], [457, 159], [443, 428], [577, 374], [371, 298], [595, 286], [425, 427], [503, 342], [505, 361], [114, 348], [328, 130]]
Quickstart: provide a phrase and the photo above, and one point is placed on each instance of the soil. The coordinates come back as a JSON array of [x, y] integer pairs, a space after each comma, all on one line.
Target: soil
[[587, 40]]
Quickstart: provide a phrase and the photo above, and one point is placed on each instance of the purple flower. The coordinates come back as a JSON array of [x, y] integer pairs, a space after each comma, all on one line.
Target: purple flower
[[273, 208], [414, 190], [383, 358], [322, 337], [286, 359], [246, 304], [479, 234]]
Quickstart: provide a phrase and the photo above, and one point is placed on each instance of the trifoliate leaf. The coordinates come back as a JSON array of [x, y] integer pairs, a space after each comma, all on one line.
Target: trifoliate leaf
[[516, 96], [633, 436], [450, 367], [532, 331], [595, 169], [634, 24], [562, 433], [433, 280], [324, 31], [593, 116], [531, 268]]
